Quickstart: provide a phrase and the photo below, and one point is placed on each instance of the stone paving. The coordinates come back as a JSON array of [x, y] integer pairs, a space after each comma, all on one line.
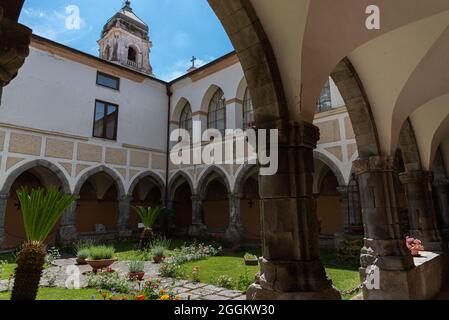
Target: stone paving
[[57, 275]]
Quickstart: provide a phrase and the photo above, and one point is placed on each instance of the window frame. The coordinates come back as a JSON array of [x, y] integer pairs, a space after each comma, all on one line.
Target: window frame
[[106, 104], [189, 121], [247, 110], [99, 73], [212, 123]]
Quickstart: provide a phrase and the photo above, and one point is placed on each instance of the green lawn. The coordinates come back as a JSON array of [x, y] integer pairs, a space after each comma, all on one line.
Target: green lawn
[[9, 267], [54, 294], [344, 278]]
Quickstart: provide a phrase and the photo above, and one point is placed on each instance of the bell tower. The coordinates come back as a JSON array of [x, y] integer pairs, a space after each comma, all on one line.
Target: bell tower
[[125, 41]]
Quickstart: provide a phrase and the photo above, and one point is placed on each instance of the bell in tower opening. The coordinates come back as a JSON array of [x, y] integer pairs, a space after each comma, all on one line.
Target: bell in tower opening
[[125, 41]]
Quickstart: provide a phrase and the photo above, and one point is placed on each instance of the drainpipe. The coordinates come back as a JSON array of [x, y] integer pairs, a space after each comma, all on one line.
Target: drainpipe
[[167, 164]]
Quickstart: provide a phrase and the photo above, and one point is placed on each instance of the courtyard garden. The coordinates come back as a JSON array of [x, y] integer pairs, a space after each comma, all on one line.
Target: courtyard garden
[[153, 267], [182, 260]]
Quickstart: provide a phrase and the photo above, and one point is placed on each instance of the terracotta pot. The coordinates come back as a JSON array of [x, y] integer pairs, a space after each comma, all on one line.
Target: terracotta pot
[[158, 260], [100, 264], [136, 276], [81, 261]]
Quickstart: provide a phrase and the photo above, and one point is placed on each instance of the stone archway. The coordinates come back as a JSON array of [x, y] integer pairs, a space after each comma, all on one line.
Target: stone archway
[[147, 190], [103, 208], [181, 191], [34, 174]]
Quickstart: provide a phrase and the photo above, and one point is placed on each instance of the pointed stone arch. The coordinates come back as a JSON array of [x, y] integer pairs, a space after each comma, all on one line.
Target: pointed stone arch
[[246, 171], [173, 184], [209, 175], [332, 166], [13, 175], [154, 177], [101, 169]]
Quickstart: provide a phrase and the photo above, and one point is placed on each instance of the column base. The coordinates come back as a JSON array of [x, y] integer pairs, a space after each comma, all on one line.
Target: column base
[[197, 230], [256, 292], [234, 233], [68, 235]]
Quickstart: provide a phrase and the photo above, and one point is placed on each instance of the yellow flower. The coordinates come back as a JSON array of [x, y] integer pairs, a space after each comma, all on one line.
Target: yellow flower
[[165, 297]]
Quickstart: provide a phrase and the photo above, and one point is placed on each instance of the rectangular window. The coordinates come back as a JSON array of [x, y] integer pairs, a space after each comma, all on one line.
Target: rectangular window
[[108, 81], [105, 120]]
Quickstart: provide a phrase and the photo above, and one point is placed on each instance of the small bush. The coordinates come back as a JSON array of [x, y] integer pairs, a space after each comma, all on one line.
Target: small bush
[[158, 251], [170, 269], [196, 275], [225, 282], [101, 253], [136, 266], [161, 242], [244, 282], [109, 281], [83, 253]]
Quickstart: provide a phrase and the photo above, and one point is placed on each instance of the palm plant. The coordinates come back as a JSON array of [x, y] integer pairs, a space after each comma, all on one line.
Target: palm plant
[[41, 211], [148, 216]]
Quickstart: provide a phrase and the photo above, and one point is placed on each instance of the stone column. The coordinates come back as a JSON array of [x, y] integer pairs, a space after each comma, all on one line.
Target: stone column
[[441, 192], [383, 239], [421, 211], [197, 228], [124, 212], [350, 208], [3, 201], [234, 232], [291, 268], [14, 48], [67, 230], [345, 209]]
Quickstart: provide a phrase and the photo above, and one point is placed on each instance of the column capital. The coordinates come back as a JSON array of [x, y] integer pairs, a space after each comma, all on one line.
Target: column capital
[[4, 196], [441, 183], [125, 198], [418, 176], [303, 134], [372, 164], [16, 40], [195, 197]]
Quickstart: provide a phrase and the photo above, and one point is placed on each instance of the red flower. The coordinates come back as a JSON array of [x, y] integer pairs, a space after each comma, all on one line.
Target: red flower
[[140, 298]]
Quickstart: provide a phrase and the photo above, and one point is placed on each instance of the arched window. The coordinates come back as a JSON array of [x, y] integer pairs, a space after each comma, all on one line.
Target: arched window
[[216, 118], [132, 54], [185, 121], [107, 52], [248, 111]]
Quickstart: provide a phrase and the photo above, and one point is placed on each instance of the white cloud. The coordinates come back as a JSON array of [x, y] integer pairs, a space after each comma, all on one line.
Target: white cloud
[[51, 24], [181, 66]]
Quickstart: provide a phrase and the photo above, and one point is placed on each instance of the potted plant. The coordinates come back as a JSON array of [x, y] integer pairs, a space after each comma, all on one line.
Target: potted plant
[[149, 216], [101, 257], [136, 270], [41, 211], [158, 254], [81, 256], [251, 259], [415, 246]]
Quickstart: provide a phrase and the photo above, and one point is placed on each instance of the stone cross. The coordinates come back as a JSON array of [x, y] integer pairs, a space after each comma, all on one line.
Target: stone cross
[[193, 61]]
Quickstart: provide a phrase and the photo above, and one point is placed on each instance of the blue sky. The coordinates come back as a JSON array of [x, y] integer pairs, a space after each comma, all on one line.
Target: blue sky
[[178, 29]]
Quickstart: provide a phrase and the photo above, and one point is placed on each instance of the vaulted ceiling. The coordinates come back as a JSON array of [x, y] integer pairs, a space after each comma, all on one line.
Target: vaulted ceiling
[[403, 67]]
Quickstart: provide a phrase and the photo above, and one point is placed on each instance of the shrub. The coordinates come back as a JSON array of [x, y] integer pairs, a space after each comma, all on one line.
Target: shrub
[[109, 281], [196, 275], [250, 256], [244, 281], [225, 281], [170, 269], [101, 252], [83, 244], [161, 242], [158, 251], [136, 266], [83, 253]]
